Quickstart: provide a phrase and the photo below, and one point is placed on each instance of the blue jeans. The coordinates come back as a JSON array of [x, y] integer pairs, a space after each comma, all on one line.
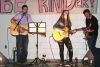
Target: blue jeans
[[95, 51], [22, 46], [92, 43]]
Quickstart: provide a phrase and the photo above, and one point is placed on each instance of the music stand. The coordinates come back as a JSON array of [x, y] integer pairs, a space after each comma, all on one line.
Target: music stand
[[37, 28]]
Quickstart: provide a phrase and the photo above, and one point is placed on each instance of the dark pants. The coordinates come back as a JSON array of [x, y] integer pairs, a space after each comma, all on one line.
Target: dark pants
[[91, 43], [22, 46], [68, 44], [95, 51]]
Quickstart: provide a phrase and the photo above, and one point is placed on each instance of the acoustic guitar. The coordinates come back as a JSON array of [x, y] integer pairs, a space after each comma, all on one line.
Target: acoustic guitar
[[59, 34], [21, 29]]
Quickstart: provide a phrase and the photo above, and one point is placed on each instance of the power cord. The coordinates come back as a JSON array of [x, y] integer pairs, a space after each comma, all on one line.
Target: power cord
[[8, 42], [51, 48], [10, 56]]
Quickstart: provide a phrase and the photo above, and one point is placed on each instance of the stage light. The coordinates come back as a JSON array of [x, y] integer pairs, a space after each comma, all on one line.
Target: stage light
[[1, 59]]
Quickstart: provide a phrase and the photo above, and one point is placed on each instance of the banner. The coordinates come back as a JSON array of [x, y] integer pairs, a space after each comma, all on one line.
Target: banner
[[48, 6]]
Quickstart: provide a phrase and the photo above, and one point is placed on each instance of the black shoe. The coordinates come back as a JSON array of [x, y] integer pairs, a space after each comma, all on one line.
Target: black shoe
[[72, 64], [18, 63]]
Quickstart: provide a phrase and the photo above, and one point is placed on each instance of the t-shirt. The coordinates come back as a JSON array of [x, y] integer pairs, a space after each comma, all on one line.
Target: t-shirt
[[93, 24], [26, 18]]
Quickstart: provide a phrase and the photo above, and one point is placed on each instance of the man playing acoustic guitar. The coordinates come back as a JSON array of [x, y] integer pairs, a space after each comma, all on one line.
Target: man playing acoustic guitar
[[19, 28]]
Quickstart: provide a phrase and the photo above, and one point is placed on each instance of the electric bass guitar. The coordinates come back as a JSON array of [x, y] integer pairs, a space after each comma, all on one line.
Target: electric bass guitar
[[59, 34]]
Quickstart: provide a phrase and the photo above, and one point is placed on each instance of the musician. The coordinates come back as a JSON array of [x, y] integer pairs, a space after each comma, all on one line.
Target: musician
[[91, 32], [64, 22], [22, 18]]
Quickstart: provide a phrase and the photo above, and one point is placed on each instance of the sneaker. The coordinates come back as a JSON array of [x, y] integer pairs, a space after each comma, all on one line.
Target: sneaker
[[61, 64], [67, 65]]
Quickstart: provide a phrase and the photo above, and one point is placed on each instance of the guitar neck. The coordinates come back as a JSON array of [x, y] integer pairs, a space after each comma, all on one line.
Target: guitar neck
[[75, 30]]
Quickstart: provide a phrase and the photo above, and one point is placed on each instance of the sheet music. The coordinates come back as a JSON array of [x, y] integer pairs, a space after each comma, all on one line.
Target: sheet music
[[41, 27]]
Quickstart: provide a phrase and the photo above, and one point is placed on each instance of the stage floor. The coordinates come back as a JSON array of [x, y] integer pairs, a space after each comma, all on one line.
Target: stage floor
[[41, 64]]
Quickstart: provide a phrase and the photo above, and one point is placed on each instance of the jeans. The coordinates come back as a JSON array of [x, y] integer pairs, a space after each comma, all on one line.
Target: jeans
[[92, 43], [95, 51], [22, 46], [68, 44]]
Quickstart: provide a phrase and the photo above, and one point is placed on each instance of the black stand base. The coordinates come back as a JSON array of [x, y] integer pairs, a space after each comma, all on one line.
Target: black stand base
[[38, 63]]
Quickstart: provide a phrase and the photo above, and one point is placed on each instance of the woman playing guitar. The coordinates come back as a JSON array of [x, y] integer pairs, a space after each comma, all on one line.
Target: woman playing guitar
[[64, 25]]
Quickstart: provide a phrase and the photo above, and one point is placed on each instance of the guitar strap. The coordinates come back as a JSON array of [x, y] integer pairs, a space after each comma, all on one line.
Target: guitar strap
[[66, 23], [90, 23], [19, 21]]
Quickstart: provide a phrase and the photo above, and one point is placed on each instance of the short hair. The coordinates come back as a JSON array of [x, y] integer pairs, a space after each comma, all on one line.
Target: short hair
[[86, 10], [24, 6]]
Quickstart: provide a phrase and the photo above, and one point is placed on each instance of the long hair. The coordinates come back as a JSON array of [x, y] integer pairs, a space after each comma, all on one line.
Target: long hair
[[61, 20], [62, 17]]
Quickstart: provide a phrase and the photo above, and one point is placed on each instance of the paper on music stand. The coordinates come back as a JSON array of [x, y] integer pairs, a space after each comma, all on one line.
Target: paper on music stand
[[41, 27]]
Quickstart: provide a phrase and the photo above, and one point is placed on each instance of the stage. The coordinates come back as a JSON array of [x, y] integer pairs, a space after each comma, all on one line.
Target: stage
[[48, 62]]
